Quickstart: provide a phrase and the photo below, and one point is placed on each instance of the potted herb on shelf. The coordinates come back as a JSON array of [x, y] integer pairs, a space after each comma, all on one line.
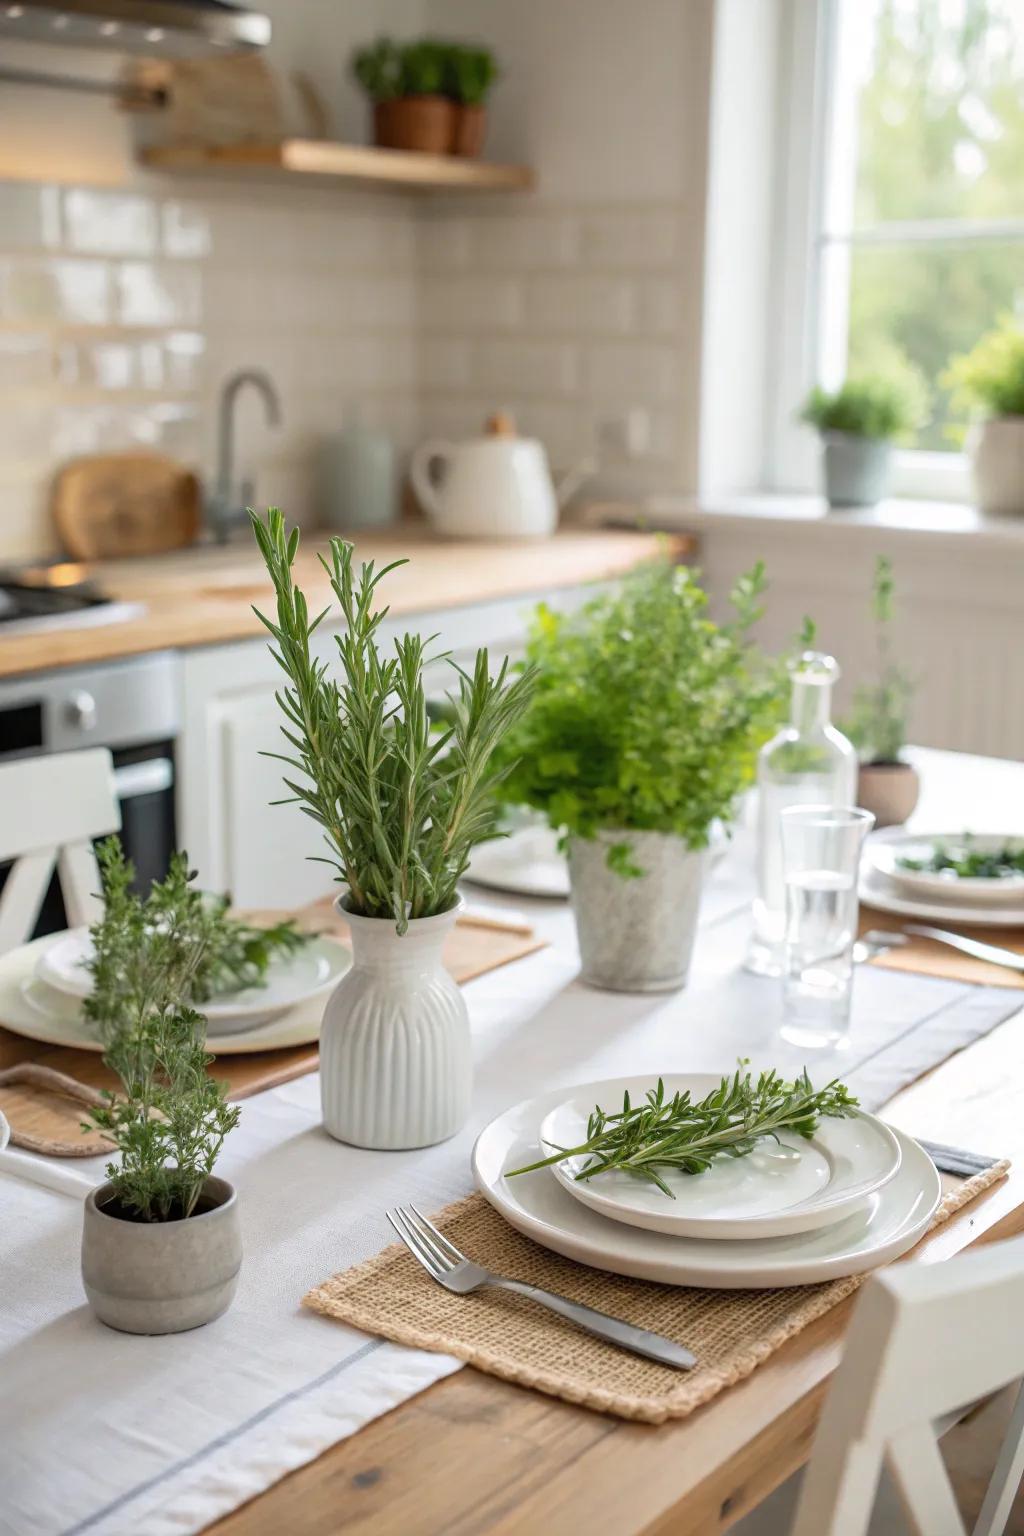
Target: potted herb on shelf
[[644, 728], [161, 1247], [886, 783], [473, 71], [858, 424], [408, 84], [401, 807], [990, 380]]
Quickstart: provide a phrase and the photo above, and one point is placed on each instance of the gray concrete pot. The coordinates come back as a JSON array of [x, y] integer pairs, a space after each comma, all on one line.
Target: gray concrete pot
[[161, 1276], [635, 935], [856, 469]]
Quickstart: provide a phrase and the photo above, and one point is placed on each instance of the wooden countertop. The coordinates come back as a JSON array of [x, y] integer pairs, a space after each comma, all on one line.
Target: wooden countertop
[[204, 596]]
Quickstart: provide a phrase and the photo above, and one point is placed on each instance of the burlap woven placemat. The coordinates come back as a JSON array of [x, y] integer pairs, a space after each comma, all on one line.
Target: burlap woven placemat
[[730, 1332]]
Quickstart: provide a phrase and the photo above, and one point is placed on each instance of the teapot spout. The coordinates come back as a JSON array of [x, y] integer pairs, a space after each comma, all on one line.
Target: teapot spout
[[571, 481]]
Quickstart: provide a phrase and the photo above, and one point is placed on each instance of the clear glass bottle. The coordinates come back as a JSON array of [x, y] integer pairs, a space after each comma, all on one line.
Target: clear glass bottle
[[808, 762]]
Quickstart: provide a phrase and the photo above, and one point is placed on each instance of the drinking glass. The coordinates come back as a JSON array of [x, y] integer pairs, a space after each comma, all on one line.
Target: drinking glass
[[821, 848]]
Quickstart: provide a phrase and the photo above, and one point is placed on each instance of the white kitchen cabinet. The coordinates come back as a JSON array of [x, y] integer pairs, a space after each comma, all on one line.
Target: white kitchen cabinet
[[235, 837]]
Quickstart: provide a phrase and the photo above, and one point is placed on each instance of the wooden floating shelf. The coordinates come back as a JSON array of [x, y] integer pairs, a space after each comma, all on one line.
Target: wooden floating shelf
[[323, 160]]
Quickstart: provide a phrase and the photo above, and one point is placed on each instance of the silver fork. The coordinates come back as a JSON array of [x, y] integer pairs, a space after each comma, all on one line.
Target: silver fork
[[444, 1263]]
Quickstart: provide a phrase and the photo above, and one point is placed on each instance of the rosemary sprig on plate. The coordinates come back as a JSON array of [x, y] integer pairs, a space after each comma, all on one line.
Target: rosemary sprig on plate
[[676, 1134]]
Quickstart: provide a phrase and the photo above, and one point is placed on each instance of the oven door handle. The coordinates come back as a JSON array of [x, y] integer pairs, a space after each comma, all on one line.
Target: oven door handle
[[151, 777]]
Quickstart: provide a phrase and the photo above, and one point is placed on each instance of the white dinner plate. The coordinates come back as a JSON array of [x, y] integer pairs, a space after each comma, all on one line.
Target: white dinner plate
[[291, 980], [878, 891], [796, 1185], [885, 855], [30, 1007], [888, 1224]]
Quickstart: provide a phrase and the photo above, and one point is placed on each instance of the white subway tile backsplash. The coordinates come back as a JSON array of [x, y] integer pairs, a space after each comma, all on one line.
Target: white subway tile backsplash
[[109, 223], [55, 290], [26, 429], [661, 306], [29, 216], [26, 361], [158, 295], [588, 305], [26, 531], [443, 244], [185, 230], [526, 367], [444, 363], [632, 373], [470, 303], [522, 243], [634, 238]]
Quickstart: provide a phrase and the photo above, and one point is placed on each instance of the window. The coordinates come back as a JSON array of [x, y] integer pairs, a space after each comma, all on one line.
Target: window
[[913, 227]]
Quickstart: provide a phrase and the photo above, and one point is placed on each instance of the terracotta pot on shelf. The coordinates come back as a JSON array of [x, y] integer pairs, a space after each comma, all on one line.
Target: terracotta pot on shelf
[[890, 790], [425, 124], [470, 131]]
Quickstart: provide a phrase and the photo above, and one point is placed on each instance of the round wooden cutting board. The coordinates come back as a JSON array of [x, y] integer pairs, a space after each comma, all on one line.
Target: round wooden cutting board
[[115, 504]]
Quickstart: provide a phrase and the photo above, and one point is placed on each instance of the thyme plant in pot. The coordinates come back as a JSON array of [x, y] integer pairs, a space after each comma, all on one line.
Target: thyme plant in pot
[[886, 783], [161, 1247], [409, 86], [644, 729], [858, 424], [401, 807], [990, 381]]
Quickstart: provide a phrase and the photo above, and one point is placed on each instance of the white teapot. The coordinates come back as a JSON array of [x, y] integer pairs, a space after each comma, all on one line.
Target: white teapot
[[498, 486]]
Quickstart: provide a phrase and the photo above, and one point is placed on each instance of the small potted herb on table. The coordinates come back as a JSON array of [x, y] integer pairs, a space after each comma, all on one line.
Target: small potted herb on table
[[886, 783]]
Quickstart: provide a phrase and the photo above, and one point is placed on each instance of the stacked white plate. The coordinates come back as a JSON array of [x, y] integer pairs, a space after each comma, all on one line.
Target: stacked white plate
[[940, 897], [855, 1195], [42, 985]]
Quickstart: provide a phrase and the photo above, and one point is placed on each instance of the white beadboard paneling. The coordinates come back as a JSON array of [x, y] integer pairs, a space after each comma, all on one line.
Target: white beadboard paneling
[[57, 290], [589, 306], [471, 303], [109, 223], [628, 371], [633, 238], [520, 242], [148, 294], [526, 367], [29, 216]]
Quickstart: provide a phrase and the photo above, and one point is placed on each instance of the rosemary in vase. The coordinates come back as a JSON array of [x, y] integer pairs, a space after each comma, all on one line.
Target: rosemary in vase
[[401, 805]]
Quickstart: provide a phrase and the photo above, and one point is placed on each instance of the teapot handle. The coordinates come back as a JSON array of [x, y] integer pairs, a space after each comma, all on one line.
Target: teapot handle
[[427, 469]]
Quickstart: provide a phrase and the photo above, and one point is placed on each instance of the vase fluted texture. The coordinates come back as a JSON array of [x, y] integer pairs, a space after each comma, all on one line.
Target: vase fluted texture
[[635, 935], [396, 1065]]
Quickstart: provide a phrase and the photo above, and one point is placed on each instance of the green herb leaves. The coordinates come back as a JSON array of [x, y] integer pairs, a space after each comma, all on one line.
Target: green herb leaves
[[673, 1134], [400, 805], [967, 863]]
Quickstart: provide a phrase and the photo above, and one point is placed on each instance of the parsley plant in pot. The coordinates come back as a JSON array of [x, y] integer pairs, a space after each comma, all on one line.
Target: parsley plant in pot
[[644, 729], [161, 1245], [401, 807], [858, 424], [886, 783], [990, 380]]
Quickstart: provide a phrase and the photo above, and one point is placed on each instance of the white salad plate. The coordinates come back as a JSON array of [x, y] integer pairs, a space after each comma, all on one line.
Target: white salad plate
[[794, 1185], [30, 1007], [888, 1223], [291, 980], [878, 891], [885, 855]]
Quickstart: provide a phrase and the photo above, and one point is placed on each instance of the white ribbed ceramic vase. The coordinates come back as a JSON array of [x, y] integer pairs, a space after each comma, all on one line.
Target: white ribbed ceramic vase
[[396, 1064]]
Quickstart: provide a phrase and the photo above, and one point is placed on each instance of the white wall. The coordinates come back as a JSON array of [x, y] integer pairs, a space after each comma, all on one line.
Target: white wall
[[125, 299]]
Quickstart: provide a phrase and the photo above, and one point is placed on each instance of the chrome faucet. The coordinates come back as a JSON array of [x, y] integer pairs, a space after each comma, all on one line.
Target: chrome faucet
[[225, 509]]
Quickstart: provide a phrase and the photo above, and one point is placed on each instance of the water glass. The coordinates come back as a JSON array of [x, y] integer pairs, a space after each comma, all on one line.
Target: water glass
[[821, 848]]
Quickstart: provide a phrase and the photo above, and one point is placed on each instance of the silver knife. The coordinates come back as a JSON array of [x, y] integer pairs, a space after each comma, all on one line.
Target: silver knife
[[993, 953]]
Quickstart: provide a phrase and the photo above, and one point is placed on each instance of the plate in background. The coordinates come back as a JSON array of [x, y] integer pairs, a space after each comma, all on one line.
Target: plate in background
[[884, 855], [878, 891]]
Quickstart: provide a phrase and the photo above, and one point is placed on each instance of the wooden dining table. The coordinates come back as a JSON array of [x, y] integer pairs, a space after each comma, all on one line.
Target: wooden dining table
[[463, 1453], [476, 1456]]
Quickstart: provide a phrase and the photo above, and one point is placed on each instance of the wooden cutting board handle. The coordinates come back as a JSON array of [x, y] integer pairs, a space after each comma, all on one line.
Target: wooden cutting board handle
[[111, 505]]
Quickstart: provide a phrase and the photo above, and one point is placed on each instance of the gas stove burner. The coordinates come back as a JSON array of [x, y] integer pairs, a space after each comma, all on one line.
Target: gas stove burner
[[56, 597]]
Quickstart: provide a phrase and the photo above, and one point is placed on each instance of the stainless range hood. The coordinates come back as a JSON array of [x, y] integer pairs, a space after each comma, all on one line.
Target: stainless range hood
[[155, 28]]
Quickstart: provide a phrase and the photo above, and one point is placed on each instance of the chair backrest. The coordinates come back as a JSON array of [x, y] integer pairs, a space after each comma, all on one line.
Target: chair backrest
[[51, 808], [925, 1340]]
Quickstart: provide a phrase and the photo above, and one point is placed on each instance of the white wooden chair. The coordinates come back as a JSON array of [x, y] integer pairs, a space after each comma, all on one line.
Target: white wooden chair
[[51, 808], [926, 1341]]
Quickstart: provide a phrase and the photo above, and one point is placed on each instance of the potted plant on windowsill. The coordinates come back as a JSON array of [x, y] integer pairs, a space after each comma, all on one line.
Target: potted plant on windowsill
[[644, 728], [401, 807], [990, 380], [161, 1247], [886, 783], [858, 424], [473, 71], [408, 84]]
